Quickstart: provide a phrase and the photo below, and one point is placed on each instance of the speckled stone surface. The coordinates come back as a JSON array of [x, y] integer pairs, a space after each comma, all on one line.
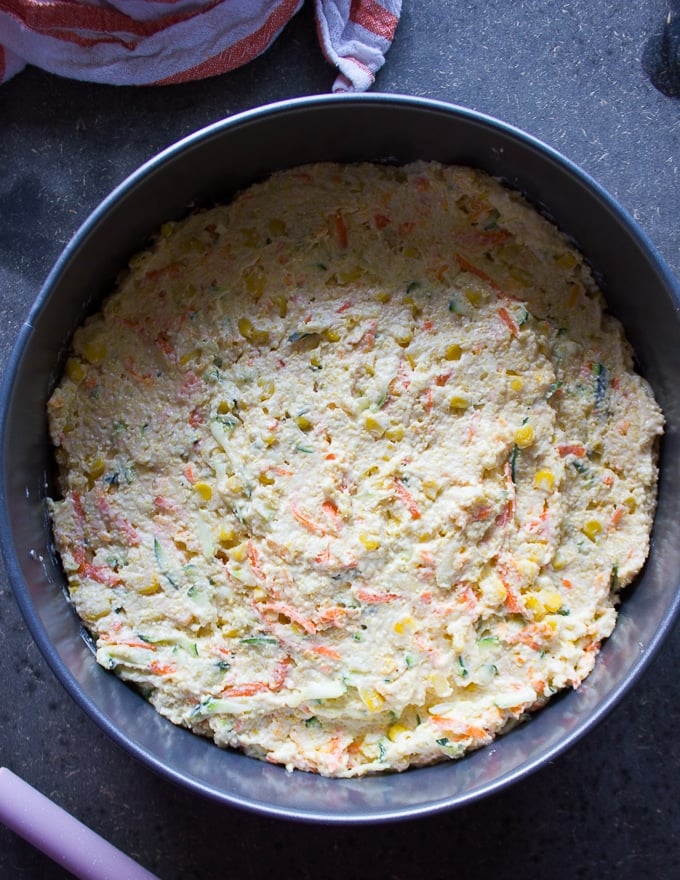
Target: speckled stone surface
[[572, 74]]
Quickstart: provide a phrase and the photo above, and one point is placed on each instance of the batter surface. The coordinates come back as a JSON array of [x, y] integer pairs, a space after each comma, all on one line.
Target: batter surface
[[352, 469]]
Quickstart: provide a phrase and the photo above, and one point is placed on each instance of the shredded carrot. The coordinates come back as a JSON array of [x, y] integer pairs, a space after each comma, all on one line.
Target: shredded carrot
[[375, 598], [162, 668], [325, 651], [190, 473], [340, 230], [288, 611], [343, 308], [616, 517], [407, 499], [381, 221], [576, 449], [508, 320], [332, 512], [196, 417], [254, 559], [307, 521], [245, 690]]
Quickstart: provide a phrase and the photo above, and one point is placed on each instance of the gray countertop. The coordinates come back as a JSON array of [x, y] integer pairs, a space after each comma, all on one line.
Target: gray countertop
[[572, 73]]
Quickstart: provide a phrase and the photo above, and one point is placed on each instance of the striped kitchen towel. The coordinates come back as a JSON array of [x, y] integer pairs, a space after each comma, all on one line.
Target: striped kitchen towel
[[160, 42]]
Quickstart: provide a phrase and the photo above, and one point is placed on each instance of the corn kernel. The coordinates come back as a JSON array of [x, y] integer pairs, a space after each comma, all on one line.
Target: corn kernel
[[404, 624], [94, 352], [458, 402], [255, 280], [371, 699], [204, 490], [431, 489], [96, 468], [239, 552], [281, 306], [403, 337], [395, 433], [331, 335], [226, 535], [166, 229], [267, 388], [370, 542], [372, 424], [453, 352], [474, 296], [533, 603], [544, 479], [567, 260], [524, 436], [74, 369], [246, 329], [397, 730], [223, 407], [233, 484], [411, 361], [516, 384], [265, 479], [149, 589], [277, 226], [258, 594], [592, 529], [382, 296], [630, 503], [303, 423], [552, 601]]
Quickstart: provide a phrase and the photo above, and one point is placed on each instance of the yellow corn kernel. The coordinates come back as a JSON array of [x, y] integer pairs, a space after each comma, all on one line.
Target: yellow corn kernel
[[281, 305], [276, 226], [630, 503], [331, 335], [258, 594], [524, 436], [431, 489], [372, 424], [267, 388], [412, 253], [269, 439], [250, 237], [544, 479], [166, 229], [382, 296], [347, 276], [96, 469], [225, 535], [371, 699], [94, 352], [266, 479], [559, 563], [255, 280], [474, 296], [188, 356], [204, 490], [395, 433], [533, 603], [74, 369], [516, 384], [453, 352], [566, 260], [552, 601], [411, 361], [246, 329], [403, 337], [233, 484], [404, 624], [315, 362], [397, 730], [149, 589], [370, 542], [223, 407], [239, 552], [458, 402], [303, 423], [592, 529]]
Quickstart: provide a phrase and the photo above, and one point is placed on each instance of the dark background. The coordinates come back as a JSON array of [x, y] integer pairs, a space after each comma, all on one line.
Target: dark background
[[574, 73]]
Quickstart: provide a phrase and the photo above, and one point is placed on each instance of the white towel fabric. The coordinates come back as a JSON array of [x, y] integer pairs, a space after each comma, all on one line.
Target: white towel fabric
[[160, 42]]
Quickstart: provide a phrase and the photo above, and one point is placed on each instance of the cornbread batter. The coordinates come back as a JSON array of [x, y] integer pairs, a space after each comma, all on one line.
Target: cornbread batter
[[353, 468]]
